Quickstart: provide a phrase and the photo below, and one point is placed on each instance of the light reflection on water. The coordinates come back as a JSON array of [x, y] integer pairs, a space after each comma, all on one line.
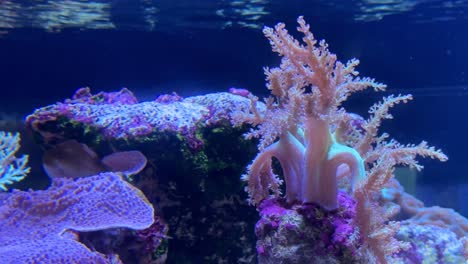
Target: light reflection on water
[[148, 15]]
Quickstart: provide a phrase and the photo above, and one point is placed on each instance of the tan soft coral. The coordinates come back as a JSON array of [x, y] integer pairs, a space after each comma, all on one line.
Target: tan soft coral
[[307, 90], [317, 142]]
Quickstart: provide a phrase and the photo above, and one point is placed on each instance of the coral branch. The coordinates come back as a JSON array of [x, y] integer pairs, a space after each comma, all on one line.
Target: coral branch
[[12, 169]]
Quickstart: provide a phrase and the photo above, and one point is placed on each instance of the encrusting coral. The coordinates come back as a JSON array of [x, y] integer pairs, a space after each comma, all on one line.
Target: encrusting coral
[[43, 226], [318, 144]]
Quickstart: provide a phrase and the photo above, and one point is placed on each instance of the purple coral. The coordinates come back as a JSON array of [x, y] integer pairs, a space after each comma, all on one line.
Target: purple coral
[[307, 233], [84, 95], [153, 235], [40, 226], [117, 115]]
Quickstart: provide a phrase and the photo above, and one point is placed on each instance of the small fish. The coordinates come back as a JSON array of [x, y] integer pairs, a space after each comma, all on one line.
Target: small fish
[[71, 159], [239, 91]]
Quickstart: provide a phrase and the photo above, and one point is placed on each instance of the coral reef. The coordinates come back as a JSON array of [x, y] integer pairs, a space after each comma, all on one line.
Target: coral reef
[[190, 178], [167, 188]]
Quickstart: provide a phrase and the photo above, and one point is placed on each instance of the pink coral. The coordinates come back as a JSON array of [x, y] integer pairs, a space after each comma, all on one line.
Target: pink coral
[[308, 88], [318, 143]]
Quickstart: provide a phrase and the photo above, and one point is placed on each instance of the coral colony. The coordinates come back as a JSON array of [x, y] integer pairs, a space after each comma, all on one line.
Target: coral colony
[[43, 224], [318, 145], [166, 189]]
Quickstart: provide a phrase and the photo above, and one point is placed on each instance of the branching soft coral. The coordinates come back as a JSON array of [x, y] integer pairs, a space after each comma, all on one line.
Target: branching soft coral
[[307, 90], [381, 157], [318, 143], [12, 169]]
